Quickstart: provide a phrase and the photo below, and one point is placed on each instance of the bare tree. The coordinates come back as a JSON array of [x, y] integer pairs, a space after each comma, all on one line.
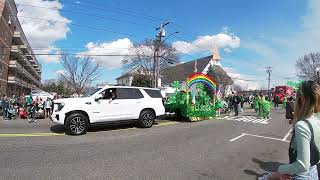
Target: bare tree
[[307, 65], [141, 56], [78, 72]]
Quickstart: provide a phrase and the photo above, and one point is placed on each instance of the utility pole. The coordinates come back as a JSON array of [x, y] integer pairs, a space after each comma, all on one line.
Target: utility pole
[[269, 70], [156, 63]]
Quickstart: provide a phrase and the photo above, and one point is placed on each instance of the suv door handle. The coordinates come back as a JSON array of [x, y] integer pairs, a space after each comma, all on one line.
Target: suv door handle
[[115, 103], [138, 102]]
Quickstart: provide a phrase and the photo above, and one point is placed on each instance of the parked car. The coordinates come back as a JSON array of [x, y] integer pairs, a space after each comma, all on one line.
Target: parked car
[[111, 104]]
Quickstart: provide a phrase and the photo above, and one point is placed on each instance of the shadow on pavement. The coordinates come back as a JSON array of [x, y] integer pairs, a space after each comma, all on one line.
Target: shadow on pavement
[[111, 127], [96, 128], [173, 117], [265, 166], [58, 129], [253, 173]]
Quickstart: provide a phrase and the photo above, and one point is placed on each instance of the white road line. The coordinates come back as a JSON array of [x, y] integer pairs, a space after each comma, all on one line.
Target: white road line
[[287, 135], [265, 137], [244, 119], [252, 119], [265, 121], [257, 120], [237, 137]]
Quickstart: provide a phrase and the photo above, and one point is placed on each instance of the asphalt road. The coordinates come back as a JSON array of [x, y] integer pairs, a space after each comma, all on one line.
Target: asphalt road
[[225, 148]]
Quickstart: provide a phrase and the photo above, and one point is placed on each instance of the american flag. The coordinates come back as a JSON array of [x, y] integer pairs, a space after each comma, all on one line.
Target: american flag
[[219, 94]]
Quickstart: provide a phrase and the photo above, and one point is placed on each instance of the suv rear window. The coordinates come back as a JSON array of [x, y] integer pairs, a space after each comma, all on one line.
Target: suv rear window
[[153, 93], [128, 93]]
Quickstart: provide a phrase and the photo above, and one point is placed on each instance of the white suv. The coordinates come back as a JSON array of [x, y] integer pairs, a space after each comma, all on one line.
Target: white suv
[[108, 105]]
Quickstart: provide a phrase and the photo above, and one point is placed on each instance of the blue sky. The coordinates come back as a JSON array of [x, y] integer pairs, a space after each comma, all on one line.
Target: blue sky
[[250, 34]]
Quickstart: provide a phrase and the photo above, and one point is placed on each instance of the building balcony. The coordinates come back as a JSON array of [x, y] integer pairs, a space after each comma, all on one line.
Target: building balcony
[[23, 72], [15, 65], [14, 80], [28, 56], [25, 60], [22, 82], [31, 77], [16, 52], [30, 68], [24, 49], [17, 38], [32, 59]]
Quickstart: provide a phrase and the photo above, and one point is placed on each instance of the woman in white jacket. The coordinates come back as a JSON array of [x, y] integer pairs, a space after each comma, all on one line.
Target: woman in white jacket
[[304, 147]]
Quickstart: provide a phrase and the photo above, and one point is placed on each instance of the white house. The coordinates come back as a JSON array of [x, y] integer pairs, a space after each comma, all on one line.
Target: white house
[[125, 79]]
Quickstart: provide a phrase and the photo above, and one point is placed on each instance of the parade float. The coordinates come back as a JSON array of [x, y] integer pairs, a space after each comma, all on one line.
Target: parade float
[[197, 101]]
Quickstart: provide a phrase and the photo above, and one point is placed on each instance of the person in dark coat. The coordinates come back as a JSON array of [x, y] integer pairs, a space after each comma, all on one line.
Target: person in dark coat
[[5, 106], [235, 103]]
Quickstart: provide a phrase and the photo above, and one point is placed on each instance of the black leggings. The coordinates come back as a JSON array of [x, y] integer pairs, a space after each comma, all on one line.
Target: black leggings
[[48, 111]]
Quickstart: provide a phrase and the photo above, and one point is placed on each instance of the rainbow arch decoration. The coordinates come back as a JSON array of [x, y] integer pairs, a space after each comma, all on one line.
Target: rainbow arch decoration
[[202, 78]]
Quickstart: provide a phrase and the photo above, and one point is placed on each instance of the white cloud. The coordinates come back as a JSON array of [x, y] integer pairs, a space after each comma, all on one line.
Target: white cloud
[[54, 56], [242, 80], [283, 51], [207, 42], [118, 47], [227, 50], [43, 33], [259, 48]]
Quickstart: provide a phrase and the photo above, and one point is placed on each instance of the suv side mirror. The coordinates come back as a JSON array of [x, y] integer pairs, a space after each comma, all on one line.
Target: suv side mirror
[[98, 97]]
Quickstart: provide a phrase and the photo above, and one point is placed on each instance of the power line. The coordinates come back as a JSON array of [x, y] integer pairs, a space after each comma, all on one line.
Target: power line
[[153, 18], [81, 25], [130, 11], [86, 14], [80, 54], [109, 10], [71, 49]]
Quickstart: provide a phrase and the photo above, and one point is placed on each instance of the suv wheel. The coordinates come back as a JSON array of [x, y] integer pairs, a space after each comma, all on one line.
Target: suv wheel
[[77, 124], [146, 119]]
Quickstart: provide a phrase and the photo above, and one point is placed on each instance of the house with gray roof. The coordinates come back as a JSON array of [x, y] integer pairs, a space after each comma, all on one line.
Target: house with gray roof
[[182, 71]]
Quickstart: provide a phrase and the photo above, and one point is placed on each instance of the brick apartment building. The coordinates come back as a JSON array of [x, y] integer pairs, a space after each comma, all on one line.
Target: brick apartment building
[[20, 71]]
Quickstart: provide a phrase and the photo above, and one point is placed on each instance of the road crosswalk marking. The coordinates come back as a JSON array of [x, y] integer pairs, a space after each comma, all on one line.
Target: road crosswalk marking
[[253, 119]]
